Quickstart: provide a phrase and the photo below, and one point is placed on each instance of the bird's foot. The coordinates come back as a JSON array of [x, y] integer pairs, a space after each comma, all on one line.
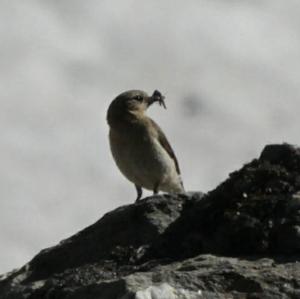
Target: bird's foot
[[139, 193]]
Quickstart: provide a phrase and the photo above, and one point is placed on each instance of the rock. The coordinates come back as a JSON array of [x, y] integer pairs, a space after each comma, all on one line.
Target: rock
[[255, 211], [241, 240], [121, 236]]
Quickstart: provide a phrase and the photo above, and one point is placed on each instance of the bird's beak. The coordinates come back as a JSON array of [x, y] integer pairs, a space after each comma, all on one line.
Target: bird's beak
[[157, 97]]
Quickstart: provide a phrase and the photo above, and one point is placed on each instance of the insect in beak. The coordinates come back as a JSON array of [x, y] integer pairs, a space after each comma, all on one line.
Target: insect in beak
[[157, 97]]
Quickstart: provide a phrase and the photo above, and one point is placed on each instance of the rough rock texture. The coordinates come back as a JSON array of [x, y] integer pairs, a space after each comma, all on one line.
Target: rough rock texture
[[241, 240]]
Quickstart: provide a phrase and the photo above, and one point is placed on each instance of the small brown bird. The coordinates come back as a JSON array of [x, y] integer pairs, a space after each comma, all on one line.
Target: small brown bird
[[139, 146]]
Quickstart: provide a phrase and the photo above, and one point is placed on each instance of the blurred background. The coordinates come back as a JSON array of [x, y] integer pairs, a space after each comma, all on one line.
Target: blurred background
[[230, 71]]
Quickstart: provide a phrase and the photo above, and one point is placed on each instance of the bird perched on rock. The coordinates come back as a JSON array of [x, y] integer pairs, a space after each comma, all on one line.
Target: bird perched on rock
[[139, 146]]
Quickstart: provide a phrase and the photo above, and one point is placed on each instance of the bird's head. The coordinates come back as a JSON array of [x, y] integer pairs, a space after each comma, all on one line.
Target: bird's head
[[133, 101]]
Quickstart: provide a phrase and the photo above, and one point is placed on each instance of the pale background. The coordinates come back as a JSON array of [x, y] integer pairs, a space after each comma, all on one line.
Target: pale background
[[230, 70]]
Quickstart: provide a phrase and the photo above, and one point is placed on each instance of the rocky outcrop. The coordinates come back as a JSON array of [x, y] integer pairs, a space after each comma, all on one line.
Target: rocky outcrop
[[241, 240]]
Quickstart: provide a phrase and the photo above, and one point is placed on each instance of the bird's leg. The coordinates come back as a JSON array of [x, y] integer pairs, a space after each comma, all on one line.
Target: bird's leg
[[155, 189], [139, 192]]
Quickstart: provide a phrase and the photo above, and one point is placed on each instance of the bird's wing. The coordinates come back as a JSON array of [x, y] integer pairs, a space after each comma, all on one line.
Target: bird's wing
[[165, 144]]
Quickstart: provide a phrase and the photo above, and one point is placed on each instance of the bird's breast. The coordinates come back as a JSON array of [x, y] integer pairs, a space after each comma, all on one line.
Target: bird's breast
[[141, 158]]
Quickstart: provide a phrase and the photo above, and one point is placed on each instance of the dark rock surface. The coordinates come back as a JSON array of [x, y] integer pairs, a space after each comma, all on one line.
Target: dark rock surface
[[241, 240]]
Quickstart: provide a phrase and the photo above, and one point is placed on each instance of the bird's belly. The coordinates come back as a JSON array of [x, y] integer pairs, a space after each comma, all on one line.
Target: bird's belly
[[145, 163]]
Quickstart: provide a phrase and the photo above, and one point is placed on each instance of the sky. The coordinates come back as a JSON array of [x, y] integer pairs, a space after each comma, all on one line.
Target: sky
[[230, 71]]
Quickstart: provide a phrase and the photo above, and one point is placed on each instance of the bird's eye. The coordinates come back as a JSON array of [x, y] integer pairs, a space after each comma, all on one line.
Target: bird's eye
[[138, 98]]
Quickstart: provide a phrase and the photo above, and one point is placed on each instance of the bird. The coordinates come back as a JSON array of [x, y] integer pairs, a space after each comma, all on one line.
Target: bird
[[138, 145]]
